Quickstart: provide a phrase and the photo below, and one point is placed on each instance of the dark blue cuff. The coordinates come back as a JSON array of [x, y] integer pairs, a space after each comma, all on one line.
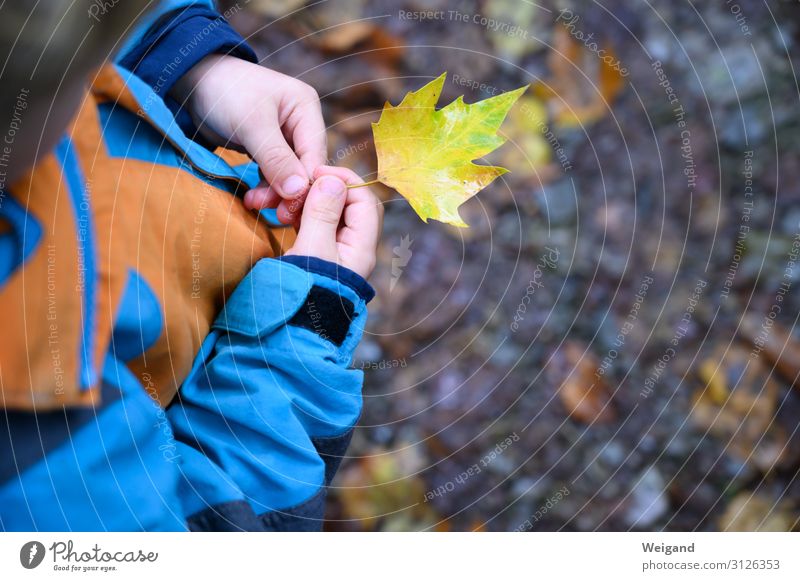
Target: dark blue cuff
[[180, 40], [176, 43], [335, 271]]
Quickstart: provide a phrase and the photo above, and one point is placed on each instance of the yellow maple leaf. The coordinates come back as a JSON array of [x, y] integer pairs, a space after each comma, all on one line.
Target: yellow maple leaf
[[426, 155]]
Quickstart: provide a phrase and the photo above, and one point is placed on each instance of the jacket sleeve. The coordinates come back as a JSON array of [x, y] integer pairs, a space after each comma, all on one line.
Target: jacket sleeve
[[269, 407], [171, 40]]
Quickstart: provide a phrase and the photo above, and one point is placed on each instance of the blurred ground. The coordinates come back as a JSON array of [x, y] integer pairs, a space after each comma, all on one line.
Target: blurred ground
[[598, 351]]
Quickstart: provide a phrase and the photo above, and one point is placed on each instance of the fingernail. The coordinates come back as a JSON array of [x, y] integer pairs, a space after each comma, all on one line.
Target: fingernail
[[294, 185], [255, 198], [331, 186]]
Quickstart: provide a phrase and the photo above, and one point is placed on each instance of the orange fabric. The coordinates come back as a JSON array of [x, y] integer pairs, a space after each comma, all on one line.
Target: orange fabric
[[190, 241], [42, 311]]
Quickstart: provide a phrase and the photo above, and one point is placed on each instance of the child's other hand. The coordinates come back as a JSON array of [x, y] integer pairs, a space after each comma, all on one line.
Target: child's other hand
[[275, 118], [340, 225]]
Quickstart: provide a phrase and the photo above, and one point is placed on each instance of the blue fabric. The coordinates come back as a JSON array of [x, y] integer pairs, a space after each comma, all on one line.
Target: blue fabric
[[305, 517], [113, 473], [126, 137], [234, 516], [139, 322], [163, 121], [85, 236], [17, 245], [26, 438], [9, 256], [175, 44], [151, 18], [262, 391]]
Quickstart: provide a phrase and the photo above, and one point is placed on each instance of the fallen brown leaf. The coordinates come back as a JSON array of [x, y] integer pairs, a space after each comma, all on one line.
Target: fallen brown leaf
[[780, 346], [750, 511], [573, 99], [381, 492], [343, 37], [737, 404], [274, 8], [585, 397]]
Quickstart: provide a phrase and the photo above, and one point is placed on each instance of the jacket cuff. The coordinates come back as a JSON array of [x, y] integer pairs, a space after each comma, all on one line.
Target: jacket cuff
[[339, 273], [176, 43], [335, 306]]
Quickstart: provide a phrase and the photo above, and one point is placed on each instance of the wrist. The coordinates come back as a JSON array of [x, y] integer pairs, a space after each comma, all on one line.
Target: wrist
[[186, 89]]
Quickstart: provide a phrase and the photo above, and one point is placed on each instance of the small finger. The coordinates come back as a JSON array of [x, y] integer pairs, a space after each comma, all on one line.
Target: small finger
[[289, 211], [261, 197]]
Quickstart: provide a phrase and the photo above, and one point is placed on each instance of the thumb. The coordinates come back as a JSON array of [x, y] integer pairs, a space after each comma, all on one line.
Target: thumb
[[320, 219]]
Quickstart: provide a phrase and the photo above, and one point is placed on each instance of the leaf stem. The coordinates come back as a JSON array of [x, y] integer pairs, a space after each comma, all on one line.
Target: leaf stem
[[370, 183]]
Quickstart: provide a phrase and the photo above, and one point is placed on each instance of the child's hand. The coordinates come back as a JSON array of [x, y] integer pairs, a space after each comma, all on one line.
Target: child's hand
[[337, 224], [275, 118]]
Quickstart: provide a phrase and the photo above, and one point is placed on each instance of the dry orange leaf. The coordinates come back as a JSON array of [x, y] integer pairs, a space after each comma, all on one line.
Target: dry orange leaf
[[582, 84], [738, 406], [778, 345], [586, 397], [755, 511], [344, 36], [382, 491]]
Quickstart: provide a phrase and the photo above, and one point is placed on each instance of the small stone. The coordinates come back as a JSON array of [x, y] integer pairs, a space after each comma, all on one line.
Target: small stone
[[613, 454], [647, 502], [558, 202]]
